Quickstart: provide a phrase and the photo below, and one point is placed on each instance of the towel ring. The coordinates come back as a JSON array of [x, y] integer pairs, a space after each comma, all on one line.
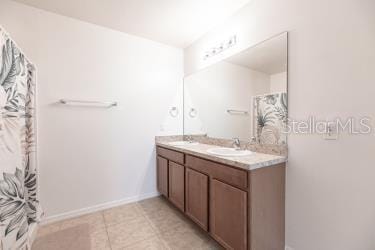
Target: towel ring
[[193, 113], [174, 112]]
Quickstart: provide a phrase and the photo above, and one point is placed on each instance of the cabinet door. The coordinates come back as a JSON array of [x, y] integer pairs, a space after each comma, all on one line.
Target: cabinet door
[[197, 197], [162, 175], [177, 185], [228, 215]]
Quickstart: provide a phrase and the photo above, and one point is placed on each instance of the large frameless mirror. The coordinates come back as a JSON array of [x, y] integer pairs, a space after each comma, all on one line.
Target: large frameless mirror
[[243, 96]]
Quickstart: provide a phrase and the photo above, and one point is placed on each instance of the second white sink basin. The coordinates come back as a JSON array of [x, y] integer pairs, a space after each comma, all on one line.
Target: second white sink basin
[[228, 152], [183, 143]]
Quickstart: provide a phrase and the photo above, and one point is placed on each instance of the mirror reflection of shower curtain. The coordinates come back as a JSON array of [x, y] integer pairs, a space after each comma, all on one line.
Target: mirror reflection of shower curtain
[[20, 211], [270, 114]]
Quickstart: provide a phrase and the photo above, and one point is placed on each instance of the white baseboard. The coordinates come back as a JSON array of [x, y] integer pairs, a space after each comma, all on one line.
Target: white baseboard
[[99, 207]]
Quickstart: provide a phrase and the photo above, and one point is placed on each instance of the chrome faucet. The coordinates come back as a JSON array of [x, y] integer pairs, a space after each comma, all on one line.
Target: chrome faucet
[[253, 140], [189, 138], [236, 143]]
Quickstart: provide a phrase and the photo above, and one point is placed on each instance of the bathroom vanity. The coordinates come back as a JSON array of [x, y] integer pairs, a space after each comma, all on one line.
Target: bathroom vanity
[[226, 172], [239, 201]]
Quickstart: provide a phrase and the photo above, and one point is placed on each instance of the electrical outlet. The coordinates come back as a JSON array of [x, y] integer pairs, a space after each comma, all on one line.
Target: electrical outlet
[[288, 248], [331, 132]]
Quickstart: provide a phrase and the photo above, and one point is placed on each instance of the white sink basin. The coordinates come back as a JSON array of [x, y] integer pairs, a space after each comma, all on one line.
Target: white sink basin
[[228, 152], [182, 143]]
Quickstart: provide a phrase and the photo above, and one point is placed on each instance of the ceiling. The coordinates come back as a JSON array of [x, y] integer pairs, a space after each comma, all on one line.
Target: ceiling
[[269, 57], [174, 22]]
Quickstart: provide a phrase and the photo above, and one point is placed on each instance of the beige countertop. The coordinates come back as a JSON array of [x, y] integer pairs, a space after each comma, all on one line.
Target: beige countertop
[[250, 162]]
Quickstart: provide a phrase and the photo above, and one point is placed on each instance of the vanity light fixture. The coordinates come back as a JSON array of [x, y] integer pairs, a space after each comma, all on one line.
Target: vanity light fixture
[[230, 42]]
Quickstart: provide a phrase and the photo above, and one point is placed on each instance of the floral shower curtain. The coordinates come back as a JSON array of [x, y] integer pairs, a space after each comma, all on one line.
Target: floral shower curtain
[[19, 207]]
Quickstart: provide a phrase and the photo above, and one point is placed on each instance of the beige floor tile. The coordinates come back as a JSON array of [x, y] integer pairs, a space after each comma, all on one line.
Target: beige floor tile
[[154, 243], [74, 238], [122, 214], [149, 224], [99, 240], [165, 220], [182, 238], [48, 229], [95, 221], [128, 233], [213, 245], [153, 205]]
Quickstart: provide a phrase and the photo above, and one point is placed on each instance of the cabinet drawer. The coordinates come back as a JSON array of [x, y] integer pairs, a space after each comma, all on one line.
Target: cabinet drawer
[[232, 176], [170, 155]]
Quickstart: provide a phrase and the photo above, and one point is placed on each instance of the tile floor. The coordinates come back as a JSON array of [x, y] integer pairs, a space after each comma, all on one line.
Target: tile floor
[[148, 224]]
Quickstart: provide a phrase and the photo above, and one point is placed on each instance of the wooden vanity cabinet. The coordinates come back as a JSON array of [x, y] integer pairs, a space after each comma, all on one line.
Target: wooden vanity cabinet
[[240, 209], [196, 190], [171, 176], [177, 185], [228, 215], [162, 175], [227, 201]]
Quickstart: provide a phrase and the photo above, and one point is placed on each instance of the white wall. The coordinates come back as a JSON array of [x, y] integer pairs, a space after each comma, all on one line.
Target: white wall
[[278, 82], [330, 184], [90, 156], [216, 89]]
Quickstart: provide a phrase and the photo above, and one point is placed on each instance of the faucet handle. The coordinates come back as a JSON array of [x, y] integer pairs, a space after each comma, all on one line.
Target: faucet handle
[[236, 143], [236, 140]]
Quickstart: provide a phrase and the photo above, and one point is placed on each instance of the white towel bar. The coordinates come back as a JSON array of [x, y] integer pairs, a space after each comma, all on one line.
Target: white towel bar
[[237, 112], [87, 103]]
